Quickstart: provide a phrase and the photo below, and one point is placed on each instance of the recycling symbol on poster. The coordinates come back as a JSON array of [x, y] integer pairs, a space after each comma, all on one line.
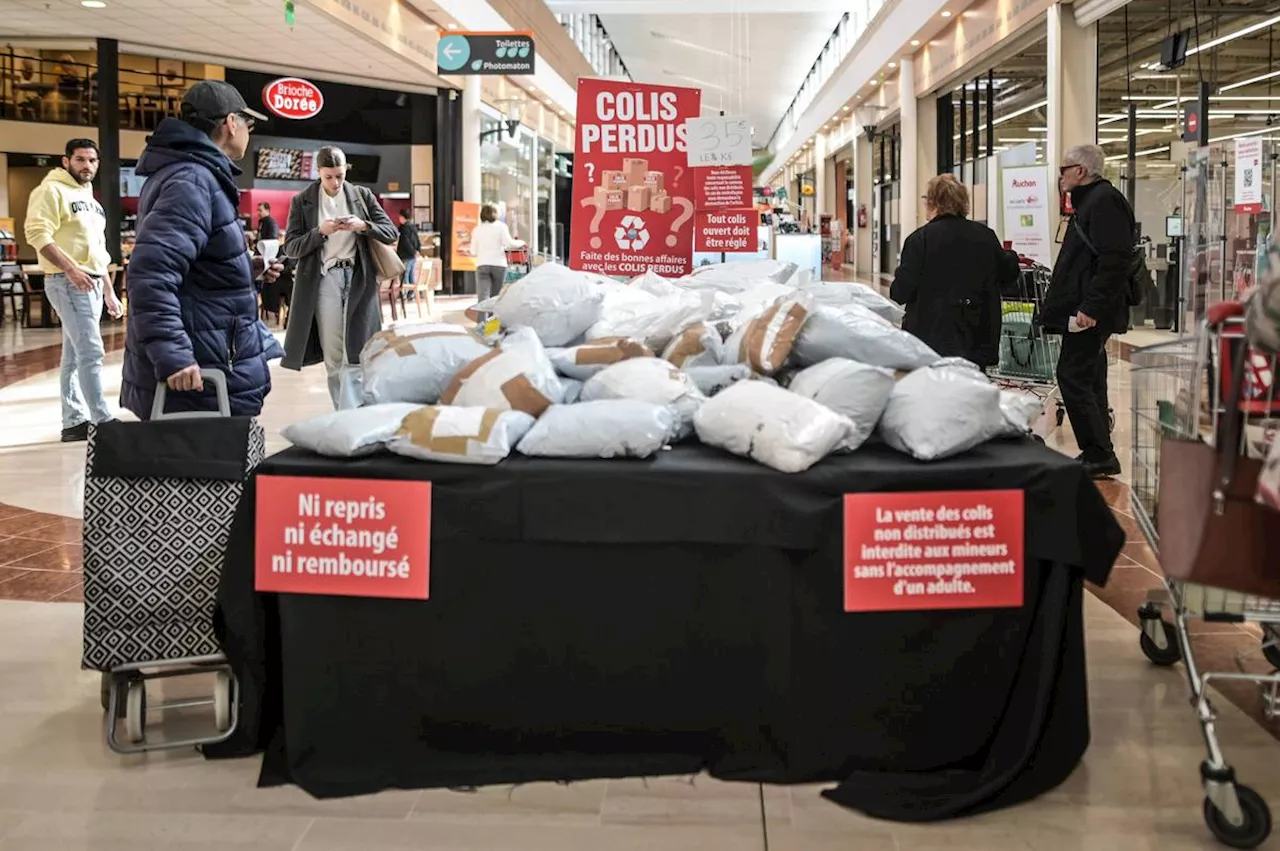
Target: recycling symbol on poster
[[631, 234]]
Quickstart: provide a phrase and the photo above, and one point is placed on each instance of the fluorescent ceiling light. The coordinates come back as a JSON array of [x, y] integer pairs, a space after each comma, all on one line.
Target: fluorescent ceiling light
[[946, 13], [1250, 81], [1002, 119], [1146, 153], [915, 42], [93, 4], [1252, 28], [893, 64], [1264, 131], [451, 25]]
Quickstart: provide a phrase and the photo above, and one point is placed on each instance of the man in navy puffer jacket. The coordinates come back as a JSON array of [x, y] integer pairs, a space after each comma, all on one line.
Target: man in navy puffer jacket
[[192, 302]]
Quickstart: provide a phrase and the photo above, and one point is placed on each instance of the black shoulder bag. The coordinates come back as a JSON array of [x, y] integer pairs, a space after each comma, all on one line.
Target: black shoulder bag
[[1139, 276]]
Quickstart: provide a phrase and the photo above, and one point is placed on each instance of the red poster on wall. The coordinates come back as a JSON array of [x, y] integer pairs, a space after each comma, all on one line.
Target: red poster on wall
[[347, 537], [727, 231], [934, 550], [632, 188], [723, 187]]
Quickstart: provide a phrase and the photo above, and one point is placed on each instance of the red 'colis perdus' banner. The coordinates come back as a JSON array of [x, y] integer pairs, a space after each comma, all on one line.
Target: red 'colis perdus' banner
[[632, 188]]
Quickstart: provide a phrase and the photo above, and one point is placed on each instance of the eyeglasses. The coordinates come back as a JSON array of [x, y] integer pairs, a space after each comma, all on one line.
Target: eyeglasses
[[249, 120], [1062, 170]]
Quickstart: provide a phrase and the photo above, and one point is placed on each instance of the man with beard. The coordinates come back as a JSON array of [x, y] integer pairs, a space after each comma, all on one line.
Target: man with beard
[[69, 230], [192, 302]]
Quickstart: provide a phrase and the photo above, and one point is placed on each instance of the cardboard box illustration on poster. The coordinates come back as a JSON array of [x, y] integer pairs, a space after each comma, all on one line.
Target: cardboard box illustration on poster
[[633, 191]]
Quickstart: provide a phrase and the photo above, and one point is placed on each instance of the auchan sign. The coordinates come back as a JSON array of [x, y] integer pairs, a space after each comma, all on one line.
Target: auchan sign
[[294, 98]]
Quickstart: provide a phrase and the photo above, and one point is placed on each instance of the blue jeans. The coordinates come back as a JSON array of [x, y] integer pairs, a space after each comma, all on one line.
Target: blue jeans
[[345, 379], [80, 382]]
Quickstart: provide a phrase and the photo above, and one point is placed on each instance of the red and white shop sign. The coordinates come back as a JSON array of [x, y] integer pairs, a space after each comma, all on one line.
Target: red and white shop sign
[[722, 187], [727, 231], [633, 194], [933, 550], [346, 537], [292, 97]]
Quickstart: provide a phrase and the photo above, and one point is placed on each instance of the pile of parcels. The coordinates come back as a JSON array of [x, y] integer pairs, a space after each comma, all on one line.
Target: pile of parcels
[[749, 357]]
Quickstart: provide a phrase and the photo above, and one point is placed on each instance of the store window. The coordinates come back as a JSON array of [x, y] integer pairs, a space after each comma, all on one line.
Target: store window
[[506, 174]]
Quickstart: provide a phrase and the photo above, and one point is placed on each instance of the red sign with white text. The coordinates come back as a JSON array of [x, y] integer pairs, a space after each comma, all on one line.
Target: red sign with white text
[[728, 231], [933, 550], [632, 191], [723, 187], [347, 537], [293, 97]]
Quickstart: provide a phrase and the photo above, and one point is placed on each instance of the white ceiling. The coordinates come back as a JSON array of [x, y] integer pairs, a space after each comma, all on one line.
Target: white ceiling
[[253, 31], [747, 56]]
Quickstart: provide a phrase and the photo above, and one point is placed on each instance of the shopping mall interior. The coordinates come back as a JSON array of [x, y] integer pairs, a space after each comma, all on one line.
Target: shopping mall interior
[[559, 670]]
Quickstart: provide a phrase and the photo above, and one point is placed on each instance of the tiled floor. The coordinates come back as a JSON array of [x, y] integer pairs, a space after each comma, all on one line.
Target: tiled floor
[[60, 789]]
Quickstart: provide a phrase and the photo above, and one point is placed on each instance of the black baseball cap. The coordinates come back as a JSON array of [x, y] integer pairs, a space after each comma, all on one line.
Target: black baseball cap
[[213, 100]]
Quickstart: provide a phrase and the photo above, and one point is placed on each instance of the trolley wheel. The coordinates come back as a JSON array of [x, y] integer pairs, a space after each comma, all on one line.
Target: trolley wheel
[[135, 712], [1252, 831], [1162, 656], [1061, 416], [1111, 419], [1271, 645], [222, 700]]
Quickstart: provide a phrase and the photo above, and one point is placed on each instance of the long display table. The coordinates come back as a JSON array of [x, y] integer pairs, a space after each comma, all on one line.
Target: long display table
[[623, 618]]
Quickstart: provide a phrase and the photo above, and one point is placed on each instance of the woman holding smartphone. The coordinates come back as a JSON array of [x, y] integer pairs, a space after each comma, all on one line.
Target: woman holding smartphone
[[335, 308]]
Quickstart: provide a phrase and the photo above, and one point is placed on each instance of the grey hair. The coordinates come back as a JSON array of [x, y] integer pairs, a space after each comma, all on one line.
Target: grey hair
[[1089, 156]]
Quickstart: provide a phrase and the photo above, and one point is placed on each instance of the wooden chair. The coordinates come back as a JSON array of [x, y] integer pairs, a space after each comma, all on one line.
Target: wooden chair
[[392, 291], [426, 280], [13, 288]]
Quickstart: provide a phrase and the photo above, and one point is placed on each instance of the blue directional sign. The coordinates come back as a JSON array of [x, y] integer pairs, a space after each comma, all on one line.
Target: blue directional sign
[[471, 53]]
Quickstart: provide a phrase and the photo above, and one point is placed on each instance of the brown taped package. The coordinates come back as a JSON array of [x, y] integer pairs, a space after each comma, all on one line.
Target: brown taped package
[[420, 426], [638, 198], [654, 180], [635, 170], [614, 199], [610, 350], [766, 356], [660, 203]]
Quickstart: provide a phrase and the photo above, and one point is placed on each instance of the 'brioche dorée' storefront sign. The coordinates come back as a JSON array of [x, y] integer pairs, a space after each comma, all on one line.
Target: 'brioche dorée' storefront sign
[[292, 97]]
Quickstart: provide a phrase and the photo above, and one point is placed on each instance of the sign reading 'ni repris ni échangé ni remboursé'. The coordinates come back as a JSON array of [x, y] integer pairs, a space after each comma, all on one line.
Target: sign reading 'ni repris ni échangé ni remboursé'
[[509, 53]]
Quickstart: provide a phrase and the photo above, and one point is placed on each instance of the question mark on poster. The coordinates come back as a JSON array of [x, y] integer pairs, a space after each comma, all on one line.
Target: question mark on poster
[[686, 205], [591, 172], [679, 174], [595, 220]]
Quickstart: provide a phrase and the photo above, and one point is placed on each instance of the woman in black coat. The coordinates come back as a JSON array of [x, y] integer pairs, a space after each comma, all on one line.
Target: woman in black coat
[[950, 278]]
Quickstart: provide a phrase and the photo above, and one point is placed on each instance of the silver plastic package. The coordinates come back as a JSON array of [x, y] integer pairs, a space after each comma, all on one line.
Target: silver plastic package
[[654, 284], [558, 303], [1020, 411], [654, 323], [617, 295], [460, 435], [606, 428], [838, 294], [943, 410], [710, 380], [517, 376], [415, 363], [773, 426], [856, 333], [351, 433], [697, 345], [572, 390], [855, 390], [583, 361], [647, 380], [744, 273]]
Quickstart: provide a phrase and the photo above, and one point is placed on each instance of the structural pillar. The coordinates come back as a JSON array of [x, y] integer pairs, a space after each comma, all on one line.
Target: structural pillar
[[820, 178], [1072, 112], [108, 108], [909, 185], [471, 139], [864, 199], [926, 152]]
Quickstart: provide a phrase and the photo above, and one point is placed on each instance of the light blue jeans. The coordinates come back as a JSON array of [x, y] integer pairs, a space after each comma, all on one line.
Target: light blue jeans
[[345, 379], [82, 351]]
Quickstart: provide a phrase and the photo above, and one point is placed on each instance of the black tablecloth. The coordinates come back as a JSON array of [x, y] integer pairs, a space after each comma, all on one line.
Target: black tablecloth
[[622, 618]]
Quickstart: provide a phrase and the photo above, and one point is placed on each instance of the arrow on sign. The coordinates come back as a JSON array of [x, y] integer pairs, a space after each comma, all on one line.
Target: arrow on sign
[[450, 52]]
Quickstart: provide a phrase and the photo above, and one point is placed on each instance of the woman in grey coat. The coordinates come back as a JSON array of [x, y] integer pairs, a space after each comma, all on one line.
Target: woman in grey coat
[[335, 307]]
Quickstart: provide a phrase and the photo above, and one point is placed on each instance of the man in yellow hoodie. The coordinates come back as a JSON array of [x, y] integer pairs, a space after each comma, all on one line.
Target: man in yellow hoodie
[[67, 226]]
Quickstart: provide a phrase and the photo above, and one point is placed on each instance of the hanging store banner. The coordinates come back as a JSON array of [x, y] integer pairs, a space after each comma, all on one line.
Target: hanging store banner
[[467, 54], [348, 537], [1248, 196], [1027, 193], [944, 550], [633, 193], [466, 216]]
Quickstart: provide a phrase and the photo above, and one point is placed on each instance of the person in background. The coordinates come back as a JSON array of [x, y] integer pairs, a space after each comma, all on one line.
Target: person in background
[[268, 233], [334, 309], [489, 243], [192, 301], [69, 230], [950, 276], [407, 246], [1088, 300]]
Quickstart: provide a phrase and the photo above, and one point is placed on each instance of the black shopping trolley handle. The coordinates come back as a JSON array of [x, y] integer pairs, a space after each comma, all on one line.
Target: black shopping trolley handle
[[216, 377]]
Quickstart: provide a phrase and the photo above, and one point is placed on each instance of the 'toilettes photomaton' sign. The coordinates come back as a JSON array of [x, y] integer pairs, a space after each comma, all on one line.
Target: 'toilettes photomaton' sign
[[471, 53], [294, 98]]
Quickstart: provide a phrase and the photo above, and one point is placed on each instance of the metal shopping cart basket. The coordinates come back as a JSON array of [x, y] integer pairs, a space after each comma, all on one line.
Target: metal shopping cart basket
[[158, 504], [1203, 403]]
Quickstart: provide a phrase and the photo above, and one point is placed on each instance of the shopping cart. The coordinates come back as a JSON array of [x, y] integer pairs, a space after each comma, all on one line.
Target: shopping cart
[[1209, 388], [518, 263], [159, 501]]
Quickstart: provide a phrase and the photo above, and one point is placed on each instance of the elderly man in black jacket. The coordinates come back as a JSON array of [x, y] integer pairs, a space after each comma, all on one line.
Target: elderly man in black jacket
[[1088, 300]]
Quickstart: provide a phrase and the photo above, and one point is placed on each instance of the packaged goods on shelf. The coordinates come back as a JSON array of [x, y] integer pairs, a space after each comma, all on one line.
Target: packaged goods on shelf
[[460, 435], [517, 375], [415, 363], [351, 433], [605, 428], [855, 390], [776, 427]]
